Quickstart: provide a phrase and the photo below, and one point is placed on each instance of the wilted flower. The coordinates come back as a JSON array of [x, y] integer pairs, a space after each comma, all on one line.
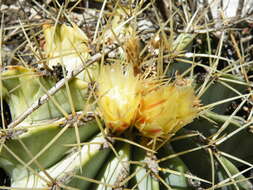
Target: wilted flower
[[166, 109], [119, 97], [66, 45], [132, 52]]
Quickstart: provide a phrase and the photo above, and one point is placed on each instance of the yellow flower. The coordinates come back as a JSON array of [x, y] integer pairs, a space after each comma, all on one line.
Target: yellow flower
[[119, 97], [166, 109]]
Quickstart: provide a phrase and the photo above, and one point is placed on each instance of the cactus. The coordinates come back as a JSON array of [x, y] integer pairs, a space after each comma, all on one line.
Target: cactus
[[131, 116]]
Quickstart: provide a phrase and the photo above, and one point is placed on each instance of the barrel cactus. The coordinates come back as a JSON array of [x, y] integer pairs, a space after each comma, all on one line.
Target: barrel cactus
[[138, 111]]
